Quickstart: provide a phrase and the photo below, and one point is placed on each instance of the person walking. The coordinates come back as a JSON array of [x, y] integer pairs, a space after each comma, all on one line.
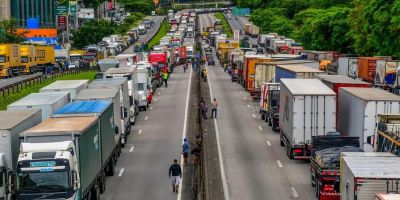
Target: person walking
[[196, 152], [203, 109], [175, 171], [205, 74], [165, 77], [214, 107], [185, 151], [185, 66]]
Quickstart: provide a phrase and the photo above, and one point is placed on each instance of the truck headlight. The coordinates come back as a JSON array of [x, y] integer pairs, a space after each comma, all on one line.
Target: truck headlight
[[1, 67]]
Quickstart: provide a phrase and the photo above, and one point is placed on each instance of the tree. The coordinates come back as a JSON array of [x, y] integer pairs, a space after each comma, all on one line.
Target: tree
[[9, 33], [92, 32]]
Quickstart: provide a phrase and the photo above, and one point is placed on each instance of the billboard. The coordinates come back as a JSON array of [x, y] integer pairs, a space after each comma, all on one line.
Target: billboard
[[241, 11]]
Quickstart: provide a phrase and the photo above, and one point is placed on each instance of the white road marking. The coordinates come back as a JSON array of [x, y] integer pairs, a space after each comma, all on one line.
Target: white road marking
[[155, 99], [121, 172], [220, 159], [260, 128], [151, 107], [254, 115], [140, 131], [179, 197], [133, 147], [294, 192], [248, 106], [244, 98], [268, 143], [279, 163], [241, 92], [158, 93], [146, 118]]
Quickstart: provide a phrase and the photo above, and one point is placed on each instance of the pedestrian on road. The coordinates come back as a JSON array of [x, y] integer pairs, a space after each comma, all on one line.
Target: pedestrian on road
[[185, 151], [185, 66], [165, 77], [196, 152], [176, 172], [205, 74], [198, 140], [203, 109], [214, 107]]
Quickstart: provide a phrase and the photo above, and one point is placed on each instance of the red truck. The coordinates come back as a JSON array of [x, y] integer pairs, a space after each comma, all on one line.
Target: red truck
[[159, 62], [325, 163]]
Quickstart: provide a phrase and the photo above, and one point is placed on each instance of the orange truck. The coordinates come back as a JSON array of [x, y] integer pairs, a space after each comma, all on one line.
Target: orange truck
[[367, 68], [249, 70], [45, 57], [10, 60], [28, 60]]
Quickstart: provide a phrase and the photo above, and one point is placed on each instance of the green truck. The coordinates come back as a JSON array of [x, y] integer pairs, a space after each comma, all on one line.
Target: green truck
[[67, 157]]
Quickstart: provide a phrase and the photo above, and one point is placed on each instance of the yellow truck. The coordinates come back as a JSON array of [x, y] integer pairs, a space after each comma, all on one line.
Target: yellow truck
[[28, 60], [45, 57], [10, 60], [223, 48], [75, 57]]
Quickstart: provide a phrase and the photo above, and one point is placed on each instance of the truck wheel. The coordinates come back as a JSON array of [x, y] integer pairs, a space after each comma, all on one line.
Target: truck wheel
[[96, 192], [317, 190], [111, 168], [282, 143], [102, 183], [262, 116], [269, 121], [274, 127], [312, 180], [144, 108]]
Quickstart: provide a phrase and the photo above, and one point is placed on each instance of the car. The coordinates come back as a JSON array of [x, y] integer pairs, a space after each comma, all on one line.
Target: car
[[153, 13]]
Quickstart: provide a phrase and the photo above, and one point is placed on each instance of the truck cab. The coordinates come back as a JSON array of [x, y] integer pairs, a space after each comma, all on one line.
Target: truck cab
[[28, 60], [75, 56], [269, 104], [142, 29]]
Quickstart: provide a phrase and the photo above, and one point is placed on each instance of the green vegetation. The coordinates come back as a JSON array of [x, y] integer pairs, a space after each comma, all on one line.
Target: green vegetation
[[365, 27], [8, 99], [142, 6], [93, 31], [226, 27], [8, 33], [165, 27]]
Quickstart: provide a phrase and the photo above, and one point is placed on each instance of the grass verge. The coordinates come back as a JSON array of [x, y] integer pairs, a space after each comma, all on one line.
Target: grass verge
[[8, 99], [225, 24], [165, 27]]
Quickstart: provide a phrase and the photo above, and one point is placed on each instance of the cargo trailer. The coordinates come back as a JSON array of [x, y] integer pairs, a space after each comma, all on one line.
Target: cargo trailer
[[367, 67], [12, 124], [63, 156], [348, 66], [71, 86], [386, 71], [388, 133], [249, 70], [357, 111], [307, 108], [363, 177], [142, 86], [48, 103], [296, 72], [120, 113], [269, 104]]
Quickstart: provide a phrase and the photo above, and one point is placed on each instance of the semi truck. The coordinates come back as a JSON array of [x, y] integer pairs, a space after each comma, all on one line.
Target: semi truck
[[307, 108], [12, 124], [295, 71], [45, 58], [10, 60], [75, 57], [73, 87], [269, 104], [28, 59], [348, 66], [360, 106], [142, 29], [48, 103], [65, 158]]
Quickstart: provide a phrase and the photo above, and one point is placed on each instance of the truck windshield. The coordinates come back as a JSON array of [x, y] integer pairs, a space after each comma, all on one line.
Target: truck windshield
[[88, 57], [43, 181], [140, 86], [2, 59], [24, 59], [75, 58]]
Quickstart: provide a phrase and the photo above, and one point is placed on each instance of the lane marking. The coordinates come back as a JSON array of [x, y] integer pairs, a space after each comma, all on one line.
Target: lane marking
[[140, 131], [254, 115], [260, 128], [294, 192], [220, 159], [279, 163], [268, 143], [151, 107], [146, 118], [179, 197], [248, 106], [155, 99], [241, 92], [158, 93], [130, 150], [121, 172], [244, 98]]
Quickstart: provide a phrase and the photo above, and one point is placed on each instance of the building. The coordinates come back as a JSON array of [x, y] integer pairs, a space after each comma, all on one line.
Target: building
[[44, 11], [5, 9]]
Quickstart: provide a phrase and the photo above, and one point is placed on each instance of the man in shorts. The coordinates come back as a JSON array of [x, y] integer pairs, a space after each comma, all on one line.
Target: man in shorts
[[176, 172]]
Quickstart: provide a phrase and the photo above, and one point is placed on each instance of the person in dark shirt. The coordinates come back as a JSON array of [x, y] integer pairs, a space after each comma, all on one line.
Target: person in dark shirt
[[176, 172]]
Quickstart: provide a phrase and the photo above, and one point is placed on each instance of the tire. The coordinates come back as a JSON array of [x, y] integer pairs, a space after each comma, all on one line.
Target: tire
[[102, 183], [274, 128], [317, 190], [282, 143], [144, 108], [262, 116], [269, 121], [96, 192], [312, 180], [110, 168]]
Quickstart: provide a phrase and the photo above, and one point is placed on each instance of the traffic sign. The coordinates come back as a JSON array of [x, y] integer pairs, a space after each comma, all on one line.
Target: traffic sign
[[236, 35], [62, 10], [72, 7], [62, 22]]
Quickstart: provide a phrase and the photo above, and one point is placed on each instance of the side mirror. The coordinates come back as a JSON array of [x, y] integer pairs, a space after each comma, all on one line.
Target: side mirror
[[116, 130]]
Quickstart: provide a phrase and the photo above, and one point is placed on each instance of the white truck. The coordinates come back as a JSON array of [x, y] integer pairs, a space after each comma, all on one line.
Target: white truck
[[142, 29], [143, 86], [307, 109], [71, 86], [12, 124], [357, 111]]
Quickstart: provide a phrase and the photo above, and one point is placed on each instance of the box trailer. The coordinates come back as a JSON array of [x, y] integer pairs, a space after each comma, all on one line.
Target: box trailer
[[386, 71], [249, 70], [48, 103], [367, 68], [388, 133], [348, 66], [307, 108], [71, 86], [357, 111], [363, 177], [295, 71], [63, 156]]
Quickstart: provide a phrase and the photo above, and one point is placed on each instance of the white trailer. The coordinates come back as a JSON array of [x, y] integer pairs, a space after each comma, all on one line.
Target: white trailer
[[48, 103], [71, 86], [358, 109], [142, 86], [361, 178], [348, 66], [307, 109]]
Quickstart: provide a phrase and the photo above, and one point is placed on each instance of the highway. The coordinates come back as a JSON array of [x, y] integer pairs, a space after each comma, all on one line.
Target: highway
[[255, 165], [238, 23], [155, 140]]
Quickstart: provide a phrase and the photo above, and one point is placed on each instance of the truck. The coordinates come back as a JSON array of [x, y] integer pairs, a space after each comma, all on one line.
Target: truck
[[348, 66], [28, 59], [325, 163], [107, 63], [306, 109], [386, 71], [62, 56], [10, 60], [75, 57], [190, 33], [387, 133], [363, 177], [269, 104], [367, 68], [120, 113], [295, 71], [45, 58], [73, 87], [386, 196], [66, 157], [142, 86], [142, 29], [249, 70], [360, 106], [48, 103], [254, 31], [127, 101], [12, 124]]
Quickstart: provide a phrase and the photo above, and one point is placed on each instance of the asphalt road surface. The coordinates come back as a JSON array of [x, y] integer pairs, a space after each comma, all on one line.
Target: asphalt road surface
[[155, 140], [256, 166], [238, 23]]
